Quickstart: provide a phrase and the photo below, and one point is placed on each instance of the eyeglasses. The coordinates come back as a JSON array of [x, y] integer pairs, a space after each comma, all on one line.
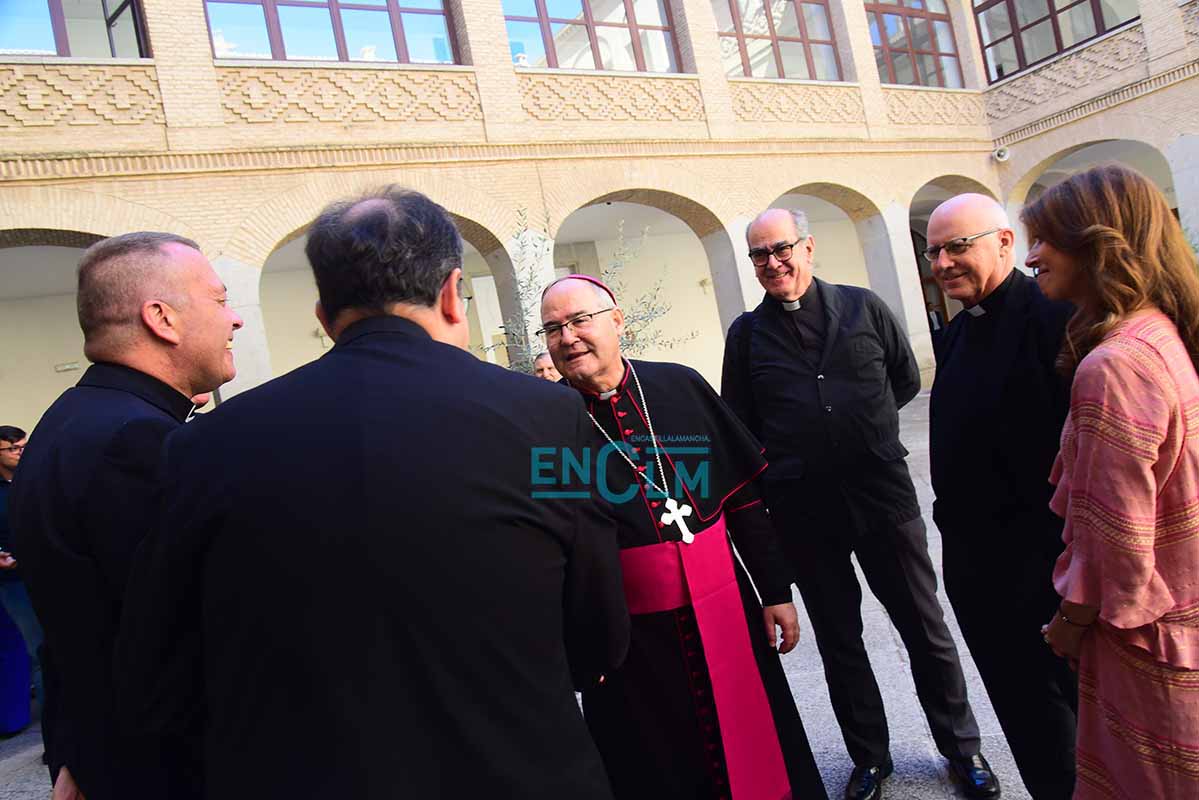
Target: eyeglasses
[[16, 448], [761, 256], [955, 247], [466, 298], [580, 323]]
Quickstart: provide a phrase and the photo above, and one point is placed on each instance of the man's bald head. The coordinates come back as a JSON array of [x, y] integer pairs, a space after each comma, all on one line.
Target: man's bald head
[[970, 270], [117, 276]]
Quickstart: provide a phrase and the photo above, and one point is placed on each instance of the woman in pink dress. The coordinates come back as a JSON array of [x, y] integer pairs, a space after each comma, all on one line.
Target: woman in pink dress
[[1127, 479]]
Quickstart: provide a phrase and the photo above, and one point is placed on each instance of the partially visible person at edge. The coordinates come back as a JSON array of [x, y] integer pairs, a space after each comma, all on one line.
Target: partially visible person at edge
[[158, 331], [14, 599], [543, 367], [1127, 479]]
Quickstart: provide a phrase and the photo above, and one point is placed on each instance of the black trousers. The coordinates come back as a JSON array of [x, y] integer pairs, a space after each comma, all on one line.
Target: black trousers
[[819, 535], [1001, 600]]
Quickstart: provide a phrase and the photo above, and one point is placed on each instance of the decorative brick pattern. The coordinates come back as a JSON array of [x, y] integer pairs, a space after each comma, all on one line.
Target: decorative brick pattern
[[610, 98], [791, 102], [43, 237], [256, 95], [1190, 18], [922, 107], [1071, 75], [36, 95]]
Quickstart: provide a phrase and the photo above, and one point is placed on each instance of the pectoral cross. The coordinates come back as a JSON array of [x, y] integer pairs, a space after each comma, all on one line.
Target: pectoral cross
[[674, 516]]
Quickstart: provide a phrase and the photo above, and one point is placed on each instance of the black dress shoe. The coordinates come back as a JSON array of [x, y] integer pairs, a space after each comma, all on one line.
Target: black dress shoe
[[974, 776], [866, 783]]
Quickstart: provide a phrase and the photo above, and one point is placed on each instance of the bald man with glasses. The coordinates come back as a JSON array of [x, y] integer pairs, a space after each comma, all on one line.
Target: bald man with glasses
[[819, 372]]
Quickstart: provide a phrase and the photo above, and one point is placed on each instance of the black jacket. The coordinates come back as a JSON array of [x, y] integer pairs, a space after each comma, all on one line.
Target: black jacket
[[845, 411], [81, 502], [353, 583]]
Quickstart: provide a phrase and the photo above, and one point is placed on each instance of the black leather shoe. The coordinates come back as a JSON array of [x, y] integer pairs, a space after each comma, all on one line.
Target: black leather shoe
[[975, 777], [866, 783]]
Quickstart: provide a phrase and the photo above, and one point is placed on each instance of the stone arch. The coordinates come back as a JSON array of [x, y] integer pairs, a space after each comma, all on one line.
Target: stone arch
[[1143, 154], [67, 209], [704, 298]]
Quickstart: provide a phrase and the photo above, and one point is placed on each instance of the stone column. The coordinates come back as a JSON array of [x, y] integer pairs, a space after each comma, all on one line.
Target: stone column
[[483, 42], [895, 277], [1165, 35], [521, 268], [970, 53], [1183, 155], [191, 96], [250, 352], [728, 265], [852, 31]]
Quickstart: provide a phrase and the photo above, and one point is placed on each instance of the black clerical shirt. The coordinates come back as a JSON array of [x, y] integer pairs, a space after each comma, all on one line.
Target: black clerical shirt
[[807, 320]]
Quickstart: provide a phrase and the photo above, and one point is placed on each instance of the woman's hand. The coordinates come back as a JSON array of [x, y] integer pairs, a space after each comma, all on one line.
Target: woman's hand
[[1064, 633]]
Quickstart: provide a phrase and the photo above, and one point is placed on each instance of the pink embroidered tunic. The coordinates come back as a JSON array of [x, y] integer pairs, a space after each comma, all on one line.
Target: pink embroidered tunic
[[1127, 485]]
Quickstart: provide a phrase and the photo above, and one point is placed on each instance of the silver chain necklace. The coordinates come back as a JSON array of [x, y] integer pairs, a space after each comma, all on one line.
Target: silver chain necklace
[[674, 512]]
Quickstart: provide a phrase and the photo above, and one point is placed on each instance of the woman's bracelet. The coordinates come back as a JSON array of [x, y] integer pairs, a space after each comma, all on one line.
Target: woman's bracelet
[[1069, 621]]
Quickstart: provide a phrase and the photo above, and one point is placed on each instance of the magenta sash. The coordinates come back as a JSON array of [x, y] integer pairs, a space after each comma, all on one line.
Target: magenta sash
[[670, 575]]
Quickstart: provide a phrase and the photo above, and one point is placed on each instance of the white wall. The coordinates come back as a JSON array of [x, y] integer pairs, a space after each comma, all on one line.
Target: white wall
[[38, 333], [838, 253]]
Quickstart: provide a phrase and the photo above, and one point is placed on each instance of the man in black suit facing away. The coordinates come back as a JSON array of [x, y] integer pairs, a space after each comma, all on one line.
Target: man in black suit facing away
[[407, 620], [158, 331], [995, 362]]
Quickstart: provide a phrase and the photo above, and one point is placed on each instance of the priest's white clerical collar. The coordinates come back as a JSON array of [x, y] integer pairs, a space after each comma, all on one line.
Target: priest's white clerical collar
[[791, 305], [976, 311], [608, 395]]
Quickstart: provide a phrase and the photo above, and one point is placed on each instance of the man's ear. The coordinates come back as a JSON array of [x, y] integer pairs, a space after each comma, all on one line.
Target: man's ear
[[618, 320], [449, 300], [1007, 238], [323, 319], [161, 320]]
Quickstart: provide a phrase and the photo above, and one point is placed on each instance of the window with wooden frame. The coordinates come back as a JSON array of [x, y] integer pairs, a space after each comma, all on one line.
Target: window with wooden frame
[[914, 43], [628, 35], [1016, 34], [403, 31], [76, 28], [777, 39]]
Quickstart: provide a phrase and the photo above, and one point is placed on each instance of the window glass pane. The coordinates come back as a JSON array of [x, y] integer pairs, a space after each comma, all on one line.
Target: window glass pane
[[432, 5], [379, 3], [944, 36], [795, 63], [26, 29], [520, 8], [1117, 11], [1001, 59], [994, 23], [884, 72], [573, 9], [730, 56], [922, 37], [937, 7], [307, 33], [952, 72], [914, 3], [238, 31], [616, 48], [658, 50], [572, 46], [1038, 42], [87, 32], [875, 38], [525, 44], [124, 34], [724, 15], [815, 18], [368, 35], [427, 39], [653, 12], [825, 59], [926, 69], [753, 17], [1076, 24], [896, 37], [783, 14], [1030, 10], [905, 73], [761, 58]]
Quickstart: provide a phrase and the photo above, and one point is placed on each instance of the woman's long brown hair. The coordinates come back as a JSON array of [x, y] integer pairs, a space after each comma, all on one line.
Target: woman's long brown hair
[[1116, 225]]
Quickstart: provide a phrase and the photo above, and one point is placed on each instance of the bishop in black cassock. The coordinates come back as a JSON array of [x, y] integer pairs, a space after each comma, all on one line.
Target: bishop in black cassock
[[678, 719], [995, 418]]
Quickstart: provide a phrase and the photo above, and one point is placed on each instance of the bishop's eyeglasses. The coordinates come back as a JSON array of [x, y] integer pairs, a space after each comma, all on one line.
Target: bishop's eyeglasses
[[16, 448], [577, 323], [955, 247], [760, 256]]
